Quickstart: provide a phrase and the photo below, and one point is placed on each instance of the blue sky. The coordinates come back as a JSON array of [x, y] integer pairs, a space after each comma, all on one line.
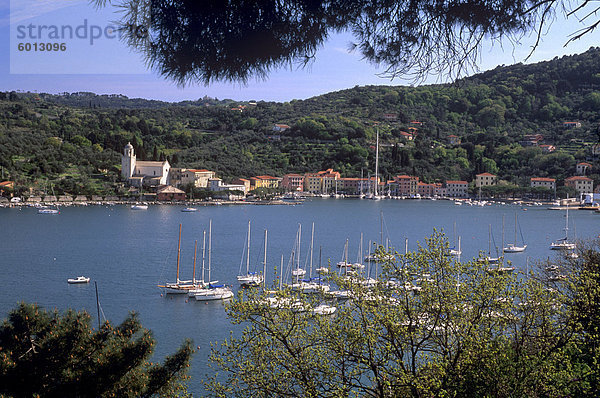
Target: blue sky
[[104, 65]]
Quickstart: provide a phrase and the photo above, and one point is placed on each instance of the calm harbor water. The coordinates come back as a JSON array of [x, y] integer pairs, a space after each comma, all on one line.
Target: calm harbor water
[[129, 252]]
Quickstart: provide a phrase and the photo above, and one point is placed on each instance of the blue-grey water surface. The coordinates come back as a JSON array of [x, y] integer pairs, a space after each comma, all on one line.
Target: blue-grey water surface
[[129, 252]]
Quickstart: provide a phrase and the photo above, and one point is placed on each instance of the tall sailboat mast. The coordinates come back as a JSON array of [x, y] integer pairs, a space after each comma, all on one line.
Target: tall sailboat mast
[[248, 252], [178, 252], [194, 269], [209, 246], [312, 237], [203, 252], [265, 263], [377, 164]]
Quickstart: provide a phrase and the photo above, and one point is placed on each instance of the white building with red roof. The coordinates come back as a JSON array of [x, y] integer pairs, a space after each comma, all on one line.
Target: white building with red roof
[[485, 179], [581, 184], [545, 182]]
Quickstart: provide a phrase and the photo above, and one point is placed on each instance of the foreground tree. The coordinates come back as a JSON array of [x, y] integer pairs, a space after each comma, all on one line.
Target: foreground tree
[[235, 40], [431, 326], [47, 354]]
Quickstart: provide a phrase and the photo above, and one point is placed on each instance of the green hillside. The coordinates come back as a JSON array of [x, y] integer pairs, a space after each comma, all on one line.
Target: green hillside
[[74, 140]]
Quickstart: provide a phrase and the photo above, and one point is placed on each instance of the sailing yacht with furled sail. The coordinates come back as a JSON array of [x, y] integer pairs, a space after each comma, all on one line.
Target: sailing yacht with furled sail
[[212, 291], [564, 244], [297, 272], [250, 278], [179, 286], [375, 194], [513, 247], [489, 258]]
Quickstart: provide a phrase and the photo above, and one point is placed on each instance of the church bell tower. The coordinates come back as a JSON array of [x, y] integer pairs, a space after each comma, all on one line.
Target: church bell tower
[[127, 161]]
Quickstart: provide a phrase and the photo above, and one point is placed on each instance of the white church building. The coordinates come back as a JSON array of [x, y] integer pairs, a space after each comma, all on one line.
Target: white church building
[[143, 172]]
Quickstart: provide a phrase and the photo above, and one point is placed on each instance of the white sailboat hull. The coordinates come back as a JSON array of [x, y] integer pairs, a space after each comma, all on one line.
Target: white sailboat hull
[[514, 249], [250, 280], [562, 246], [219, 293]]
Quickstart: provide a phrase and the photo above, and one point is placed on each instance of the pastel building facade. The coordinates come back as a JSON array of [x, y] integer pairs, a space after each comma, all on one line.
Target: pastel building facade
[[292, 182], [404, 185], [549, 183], [581, 184], [485, 179], [264, 181], [457, 189]]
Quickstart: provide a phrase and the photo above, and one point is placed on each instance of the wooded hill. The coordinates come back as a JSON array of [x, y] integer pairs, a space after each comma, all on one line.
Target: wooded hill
[[74, 140]]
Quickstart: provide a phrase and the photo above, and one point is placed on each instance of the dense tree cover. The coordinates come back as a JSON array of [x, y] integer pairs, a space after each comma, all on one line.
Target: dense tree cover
[[235, 41], [77, 147], [431, 327], [59, 355]]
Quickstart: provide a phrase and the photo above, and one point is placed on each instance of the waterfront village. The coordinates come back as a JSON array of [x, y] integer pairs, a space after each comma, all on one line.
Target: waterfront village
[[157, 181]]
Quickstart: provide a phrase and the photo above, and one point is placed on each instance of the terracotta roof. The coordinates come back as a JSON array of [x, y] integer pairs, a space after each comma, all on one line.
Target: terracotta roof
[[456, 182], [584, 164], [486, 174], [200, 170], [578, 178], [264, 178], [170, 189], [543, 179]]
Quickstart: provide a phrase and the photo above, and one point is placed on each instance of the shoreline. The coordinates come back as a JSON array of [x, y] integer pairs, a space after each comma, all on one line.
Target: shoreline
[[551, 205]]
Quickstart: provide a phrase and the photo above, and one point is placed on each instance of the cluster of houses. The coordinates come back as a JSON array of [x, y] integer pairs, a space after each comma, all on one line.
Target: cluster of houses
[[168, 181]]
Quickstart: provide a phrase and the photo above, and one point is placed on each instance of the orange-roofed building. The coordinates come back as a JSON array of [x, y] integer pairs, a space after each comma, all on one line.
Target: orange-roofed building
[[404, 185], [280, 127], [545, 182], [453, 139], [168, 192], [292, 182], [581, 184], [485, 179], [427, 190], [457, 189], [264, 181], [583, 168]]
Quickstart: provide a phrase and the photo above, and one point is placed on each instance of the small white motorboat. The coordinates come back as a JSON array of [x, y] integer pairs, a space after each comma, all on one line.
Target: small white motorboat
[[139, 206], [46, 210], [189, 209], [79, 279]]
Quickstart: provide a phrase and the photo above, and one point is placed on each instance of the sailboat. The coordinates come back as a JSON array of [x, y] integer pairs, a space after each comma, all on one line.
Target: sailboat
[[374, 195], [298, 272], [140, 205], [212, 291], [310, 284], [375, 257], [489, 258], [500, 268], [344, 262], [49, 210], [564, 244], [251, 278], [513, 247], [453, 250], [179, 286]]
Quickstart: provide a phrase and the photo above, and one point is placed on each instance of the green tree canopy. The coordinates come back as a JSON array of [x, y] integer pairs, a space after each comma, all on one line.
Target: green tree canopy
[[48, 354], [235, 40], [432, 326]]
